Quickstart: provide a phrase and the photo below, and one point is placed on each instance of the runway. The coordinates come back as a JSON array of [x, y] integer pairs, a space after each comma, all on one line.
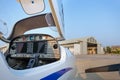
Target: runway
[[84, 62]]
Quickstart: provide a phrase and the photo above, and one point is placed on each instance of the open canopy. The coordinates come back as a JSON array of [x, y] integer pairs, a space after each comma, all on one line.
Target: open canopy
[[40, 13], [44, 20]]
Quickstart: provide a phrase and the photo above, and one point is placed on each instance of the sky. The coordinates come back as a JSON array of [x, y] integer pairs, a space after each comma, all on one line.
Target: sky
[[83, 18], [97, 18]]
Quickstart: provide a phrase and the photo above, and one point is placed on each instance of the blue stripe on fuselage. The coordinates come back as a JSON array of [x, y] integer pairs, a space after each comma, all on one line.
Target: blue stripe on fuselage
[[56, 75]]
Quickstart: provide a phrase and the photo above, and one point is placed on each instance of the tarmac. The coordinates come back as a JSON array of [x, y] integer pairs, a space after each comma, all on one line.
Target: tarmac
[[84, 62]]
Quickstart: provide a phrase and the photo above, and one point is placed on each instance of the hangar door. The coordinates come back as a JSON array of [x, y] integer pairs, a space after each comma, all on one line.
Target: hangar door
[[91, 46]]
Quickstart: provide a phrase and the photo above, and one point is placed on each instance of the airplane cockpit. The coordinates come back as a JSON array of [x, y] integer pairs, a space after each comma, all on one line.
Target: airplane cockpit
[[32, 50]]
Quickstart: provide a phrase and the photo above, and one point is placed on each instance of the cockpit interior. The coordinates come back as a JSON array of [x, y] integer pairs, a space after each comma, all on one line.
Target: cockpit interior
[[32, 50]]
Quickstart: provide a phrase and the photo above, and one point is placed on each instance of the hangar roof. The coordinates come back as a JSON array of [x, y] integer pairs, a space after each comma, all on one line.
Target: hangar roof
[[84, 39]]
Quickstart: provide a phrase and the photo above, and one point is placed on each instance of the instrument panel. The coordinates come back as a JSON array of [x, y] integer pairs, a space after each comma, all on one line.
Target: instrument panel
[[28, 46], [31, 38]]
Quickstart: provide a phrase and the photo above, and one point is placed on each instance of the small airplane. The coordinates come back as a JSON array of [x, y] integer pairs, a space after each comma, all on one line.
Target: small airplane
[[40, 56], [37, 56]]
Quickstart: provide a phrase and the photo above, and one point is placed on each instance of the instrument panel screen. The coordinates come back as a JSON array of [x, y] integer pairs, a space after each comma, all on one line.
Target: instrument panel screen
[[31, 47]]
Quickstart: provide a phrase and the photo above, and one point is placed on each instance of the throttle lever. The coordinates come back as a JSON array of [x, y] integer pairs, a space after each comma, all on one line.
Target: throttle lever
[[33, 61]]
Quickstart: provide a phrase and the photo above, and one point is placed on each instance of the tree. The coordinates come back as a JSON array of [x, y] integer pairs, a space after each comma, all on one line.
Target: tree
[[108, 49]]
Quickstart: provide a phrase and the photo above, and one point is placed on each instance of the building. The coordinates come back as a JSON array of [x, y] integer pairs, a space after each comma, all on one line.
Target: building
[[87, 45], [115, 49]]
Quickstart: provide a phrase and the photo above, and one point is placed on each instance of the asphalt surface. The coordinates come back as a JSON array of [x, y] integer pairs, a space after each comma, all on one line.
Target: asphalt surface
[[85, 62]]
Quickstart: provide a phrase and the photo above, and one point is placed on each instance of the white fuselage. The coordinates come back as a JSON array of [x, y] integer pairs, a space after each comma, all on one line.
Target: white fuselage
[[64, 69]]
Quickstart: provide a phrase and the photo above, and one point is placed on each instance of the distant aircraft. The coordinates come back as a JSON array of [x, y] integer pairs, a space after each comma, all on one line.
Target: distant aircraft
[[37, 56]]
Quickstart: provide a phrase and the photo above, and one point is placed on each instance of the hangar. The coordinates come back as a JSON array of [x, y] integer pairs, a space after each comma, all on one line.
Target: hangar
[[86, 45]]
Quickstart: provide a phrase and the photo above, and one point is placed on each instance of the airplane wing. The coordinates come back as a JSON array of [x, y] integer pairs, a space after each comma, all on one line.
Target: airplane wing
[[108, 68]]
